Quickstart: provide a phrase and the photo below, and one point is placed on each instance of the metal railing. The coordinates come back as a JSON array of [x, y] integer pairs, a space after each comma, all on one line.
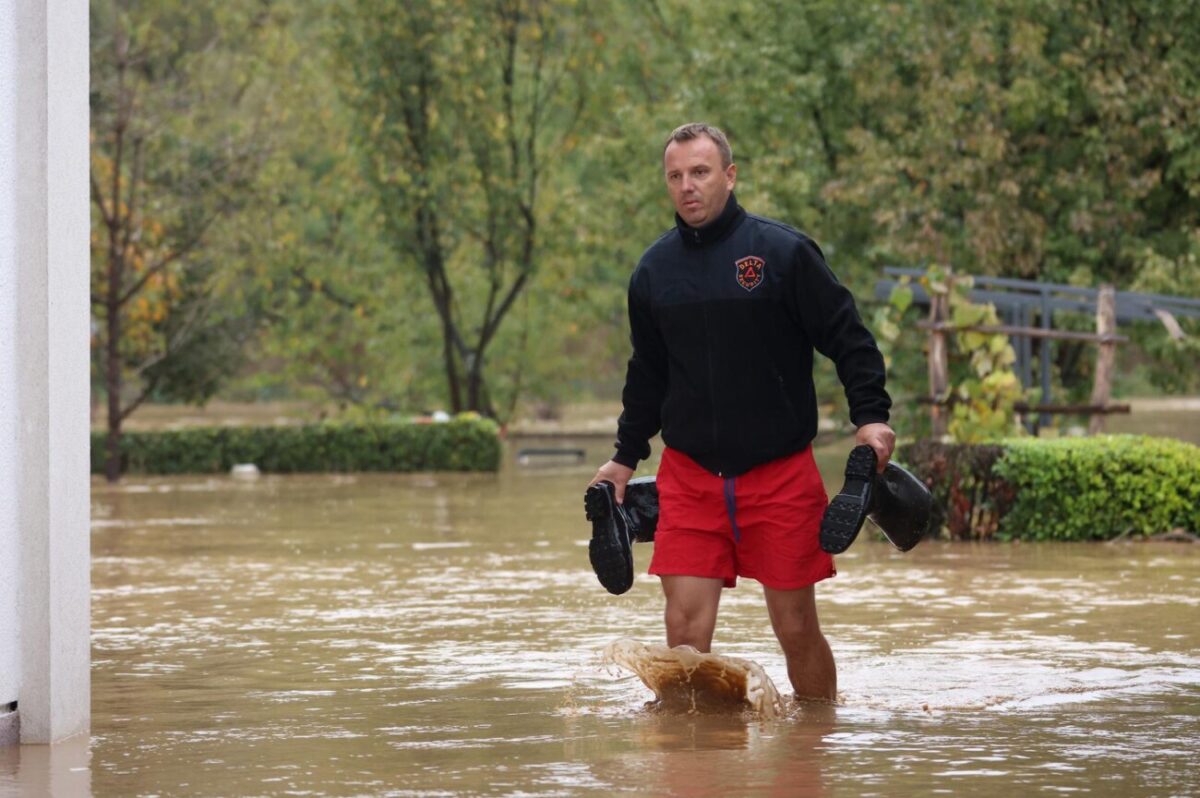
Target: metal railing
[[1022, 302]]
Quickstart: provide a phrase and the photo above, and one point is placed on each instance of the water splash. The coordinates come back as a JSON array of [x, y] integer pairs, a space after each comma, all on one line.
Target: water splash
[[684, 679]]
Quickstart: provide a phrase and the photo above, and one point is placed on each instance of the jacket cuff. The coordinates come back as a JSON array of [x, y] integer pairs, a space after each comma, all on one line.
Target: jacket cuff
[[627, 460], [871, 418]]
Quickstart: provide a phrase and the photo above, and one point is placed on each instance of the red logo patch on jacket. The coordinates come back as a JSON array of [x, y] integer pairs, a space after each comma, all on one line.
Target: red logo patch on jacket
[[750, 272]]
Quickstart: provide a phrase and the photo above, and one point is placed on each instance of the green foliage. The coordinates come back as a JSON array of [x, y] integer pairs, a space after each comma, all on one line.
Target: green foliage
[[1028, 138], [466, 443], [1098, 488], [983, 387], [987, 387], [185, 117], [1061, 489], [293, 182], [1017, 138], [466, 113], [183, 120], [1170, 361]]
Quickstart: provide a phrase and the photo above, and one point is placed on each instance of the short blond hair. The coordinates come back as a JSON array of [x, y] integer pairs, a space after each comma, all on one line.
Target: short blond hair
[[694, 130]]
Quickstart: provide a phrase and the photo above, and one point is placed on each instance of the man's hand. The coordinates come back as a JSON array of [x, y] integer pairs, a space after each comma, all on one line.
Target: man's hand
[[617, 474], [879, 437]]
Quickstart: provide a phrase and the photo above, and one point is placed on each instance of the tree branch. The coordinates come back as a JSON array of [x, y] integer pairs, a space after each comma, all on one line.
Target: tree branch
[[131, 207], [107, 217], [493, 324], [333, 296], [147, 389], [169, 258]]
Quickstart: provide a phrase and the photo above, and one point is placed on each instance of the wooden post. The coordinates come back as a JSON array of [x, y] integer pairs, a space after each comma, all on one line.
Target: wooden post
[[939, 369], [1106, 324]]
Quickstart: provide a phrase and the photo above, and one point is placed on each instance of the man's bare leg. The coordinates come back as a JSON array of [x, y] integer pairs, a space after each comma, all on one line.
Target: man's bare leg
[[809, 659], [691, 614]]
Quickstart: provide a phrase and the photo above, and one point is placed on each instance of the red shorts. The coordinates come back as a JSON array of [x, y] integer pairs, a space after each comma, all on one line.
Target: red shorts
[[762, 525]]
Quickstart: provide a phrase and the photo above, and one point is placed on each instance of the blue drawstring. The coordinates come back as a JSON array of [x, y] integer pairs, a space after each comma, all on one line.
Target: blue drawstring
[[731, 508]]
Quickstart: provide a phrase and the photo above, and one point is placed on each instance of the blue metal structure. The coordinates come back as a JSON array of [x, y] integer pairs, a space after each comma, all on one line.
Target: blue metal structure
[[1021, 301]]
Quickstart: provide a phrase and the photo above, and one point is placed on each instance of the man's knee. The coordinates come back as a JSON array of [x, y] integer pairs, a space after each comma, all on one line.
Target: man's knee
[[689, 625], [683, 616], [797, 632], [794, 617], [691, 610]]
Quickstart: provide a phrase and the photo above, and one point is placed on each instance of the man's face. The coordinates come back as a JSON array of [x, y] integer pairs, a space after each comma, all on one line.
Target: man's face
[[698, 184]]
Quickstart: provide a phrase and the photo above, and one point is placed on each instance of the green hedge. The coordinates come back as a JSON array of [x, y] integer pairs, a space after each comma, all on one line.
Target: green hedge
[[1061, 489], [466, 443]]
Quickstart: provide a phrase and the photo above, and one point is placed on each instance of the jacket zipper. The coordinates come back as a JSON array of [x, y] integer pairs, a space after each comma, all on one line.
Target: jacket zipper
[[712, 392]]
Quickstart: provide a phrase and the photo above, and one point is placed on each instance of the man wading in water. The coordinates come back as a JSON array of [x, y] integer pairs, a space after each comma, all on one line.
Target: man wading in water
[[725, 311]]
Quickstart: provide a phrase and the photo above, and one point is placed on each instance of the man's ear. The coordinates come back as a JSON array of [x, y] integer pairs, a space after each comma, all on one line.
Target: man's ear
[[731, 174]]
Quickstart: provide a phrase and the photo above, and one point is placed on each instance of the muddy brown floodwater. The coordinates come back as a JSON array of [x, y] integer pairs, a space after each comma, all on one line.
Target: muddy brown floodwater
[[418, 635]]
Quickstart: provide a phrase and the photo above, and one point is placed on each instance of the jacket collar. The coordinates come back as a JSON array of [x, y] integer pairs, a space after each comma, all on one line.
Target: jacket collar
[[715, 230]]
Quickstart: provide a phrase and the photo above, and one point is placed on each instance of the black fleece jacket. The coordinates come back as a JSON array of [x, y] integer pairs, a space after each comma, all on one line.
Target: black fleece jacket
[[724, 320]]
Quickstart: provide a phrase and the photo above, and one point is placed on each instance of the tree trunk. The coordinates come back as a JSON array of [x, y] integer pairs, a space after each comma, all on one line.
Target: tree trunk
[[938, 362], [1106, 324], [477, 393], [112, 373], [453, 385]]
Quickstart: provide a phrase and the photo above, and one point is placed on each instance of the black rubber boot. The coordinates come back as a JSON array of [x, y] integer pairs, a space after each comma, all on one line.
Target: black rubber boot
[[641, 508], [901, 506], [845, 514], [611, 549]]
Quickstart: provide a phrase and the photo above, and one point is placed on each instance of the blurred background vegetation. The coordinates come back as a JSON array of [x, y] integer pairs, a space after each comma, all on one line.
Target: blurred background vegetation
[[400, 207]]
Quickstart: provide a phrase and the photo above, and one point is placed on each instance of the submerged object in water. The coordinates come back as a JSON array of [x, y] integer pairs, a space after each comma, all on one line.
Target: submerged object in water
[[550, 456], [685, 680], [895, 501], [245, 471]]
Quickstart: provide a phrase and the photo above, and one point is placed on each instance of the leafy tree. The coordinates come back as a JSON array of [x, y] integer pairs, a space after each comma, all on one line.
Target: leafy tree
[[465, 111], [337, 171], [1023, 138], [331, 332], [180, 127]]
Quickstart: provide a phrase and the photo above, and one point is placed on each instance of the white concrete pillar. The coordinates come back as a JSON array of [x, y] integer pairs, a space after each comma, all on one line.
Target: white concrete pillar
[[44, 367], [9, 648]]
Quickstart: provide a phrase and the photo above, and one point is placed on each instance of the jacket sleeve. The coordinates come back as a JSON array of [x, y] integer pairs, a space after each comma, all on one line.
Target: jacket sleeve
[[831, 321], [645, 378]]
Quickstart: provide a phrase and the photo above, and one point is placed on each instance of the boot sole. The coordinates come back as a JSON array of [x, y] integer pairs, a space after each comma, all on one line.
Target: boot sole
[[609, 550], [845, 515]]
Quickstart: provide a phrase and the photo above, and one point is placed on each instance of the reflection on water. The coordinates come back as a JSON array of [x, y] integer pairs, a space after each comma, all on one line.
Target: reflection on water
[[441, 635]]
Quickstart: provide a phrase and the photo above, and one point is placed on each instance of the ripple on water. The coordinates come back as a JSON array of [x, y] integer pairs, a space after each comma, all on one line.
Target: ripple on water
[[379, 636]]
